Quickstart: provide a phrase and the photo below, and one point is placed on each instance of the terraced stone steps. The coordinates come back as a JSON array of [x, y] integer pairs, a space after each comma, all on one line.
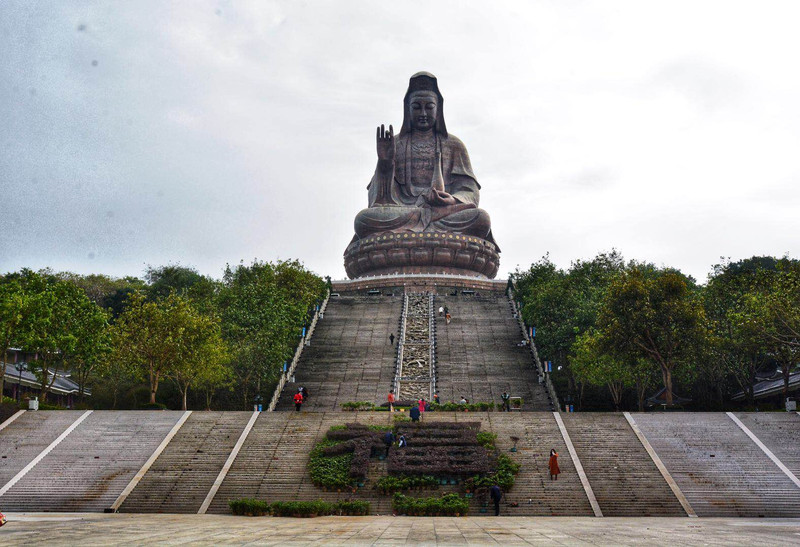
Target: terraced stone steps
[[26, 437], [477, 353], [717, 466], [93, 464], [181, 477], [780, 432], [623, 477], [350, 357]]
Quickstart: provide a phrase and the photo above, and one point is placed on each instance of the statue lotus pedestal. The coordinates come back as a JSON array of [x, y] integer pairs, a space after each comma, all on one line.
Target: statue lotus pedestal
[[421, 253]]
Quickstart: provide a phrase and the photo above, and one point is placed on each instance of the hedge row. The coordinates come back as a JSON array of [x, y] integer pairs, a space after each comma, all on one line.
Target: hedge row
[[390, 483], [447, 505], [257, 508]]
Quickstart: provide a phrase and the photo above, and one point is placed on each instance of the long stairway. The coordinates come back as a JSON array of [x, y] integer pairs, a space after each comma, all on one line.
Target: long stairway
[[181, 477], [718, 467], [780, 432], [624, 478], [477, 353], [27, 436], [92, 465], [350, 357]]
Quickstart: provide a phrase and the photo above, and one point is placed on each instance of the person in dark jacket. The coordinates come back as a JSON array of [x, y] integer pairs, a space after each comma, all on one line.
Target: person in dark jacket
[[414, 413], [388, 440], [496, 494]]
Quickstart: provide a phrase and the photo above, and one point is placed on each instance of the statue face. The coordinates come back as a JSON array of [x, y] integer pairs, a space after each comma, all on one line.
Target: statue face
[[424, 108]]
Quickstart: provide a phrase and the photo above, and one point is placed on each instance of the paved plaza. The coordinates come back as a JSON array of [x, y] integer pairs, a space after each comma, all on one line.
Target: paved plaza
[[87, 529]]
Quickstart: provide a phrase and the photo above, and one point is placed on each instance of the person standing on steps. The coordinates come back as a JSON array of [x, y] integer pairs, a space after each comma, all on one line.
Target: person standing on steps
[[390, 400], [496, 494], [391, 339], [304, 393], [298, 401], [421, 404], [388, 440], [441, 311], [553, 465], [414, 413], [506, 404], [436, 397]]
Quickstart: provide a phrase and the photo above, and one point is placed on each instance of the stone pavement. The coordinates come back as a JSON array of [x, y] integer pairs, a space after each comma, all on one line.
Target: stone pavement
[[88, 529]]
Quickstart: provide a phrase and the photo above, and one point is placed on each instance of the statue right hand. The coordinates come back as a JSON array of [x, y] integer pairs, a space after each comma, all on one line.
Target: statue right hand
[[386, 143]]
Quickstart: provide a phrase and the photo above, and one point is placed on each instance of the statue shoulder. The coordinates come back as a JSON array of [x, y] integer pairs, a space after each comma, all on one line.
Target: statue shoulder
[[454, 142]]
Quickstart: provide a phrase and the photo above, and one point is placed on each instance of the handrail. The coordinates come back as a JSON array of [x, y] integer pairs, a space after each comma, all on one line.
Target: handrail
[[548, 383], [401, 337], [276, 395]]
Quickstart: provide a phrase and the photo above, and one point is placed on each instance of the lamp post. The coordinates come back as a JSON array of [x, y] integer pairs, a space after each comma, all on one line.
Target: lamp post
[[20, 367]]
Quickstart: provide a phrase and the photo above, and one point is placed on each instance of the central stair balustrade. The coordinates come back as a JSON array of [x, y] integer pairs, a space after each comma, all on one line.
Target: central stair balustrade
[[415, 371]]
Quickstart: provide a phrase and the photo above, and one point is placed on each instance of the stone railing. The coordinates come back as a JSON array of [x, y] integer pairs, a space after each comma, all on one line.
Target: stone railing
[[304, 341], [415, 365], [535, 354], [401, 335], [432, 335]]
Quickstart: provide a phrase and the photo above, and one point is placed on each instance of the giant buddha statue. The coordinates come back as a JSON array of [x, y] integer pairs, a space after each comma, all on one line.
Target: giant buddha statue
[[422, 215]]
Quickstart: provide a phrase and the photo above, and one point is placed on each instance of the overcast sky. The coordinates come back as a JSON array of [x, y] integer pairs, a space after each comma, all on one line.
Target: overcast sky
[[210, 132]]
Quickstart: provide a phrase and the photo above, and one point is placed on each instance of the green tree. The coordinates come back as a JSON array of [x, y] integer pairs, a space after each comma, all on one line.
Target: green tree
[[203, 353], [149, 338], [655, 315], [13, 301], [593, 365], [263, 308]]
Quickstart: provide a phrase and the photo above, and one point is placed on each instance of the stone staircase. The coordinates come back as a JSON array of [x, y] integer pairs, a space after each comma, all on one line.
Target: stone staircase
[[623, 477], [780, 432], [27, 436], [720, 470], [477, 353], [350, 357], [93, 464], [181, 477]]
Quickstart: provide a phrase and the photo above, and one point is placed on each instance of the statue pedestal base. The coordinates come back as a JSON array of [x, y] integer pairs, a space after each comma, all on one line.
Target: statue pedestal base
[[421, 253]]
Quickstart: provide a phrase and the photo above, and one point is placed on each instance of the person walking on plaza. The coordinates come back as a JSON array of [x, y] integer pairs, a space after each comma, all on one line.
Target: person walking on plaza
[[391, 339], [506, 404], [388, 440], [553, 464], [496, 494], [298, 401], [390, 400]]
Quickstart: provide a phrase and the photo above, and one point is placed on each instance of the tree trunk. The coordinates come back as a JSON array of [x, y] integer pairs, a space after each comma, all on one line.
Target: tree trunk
[[184, 391], [667, 374], [153, 387]]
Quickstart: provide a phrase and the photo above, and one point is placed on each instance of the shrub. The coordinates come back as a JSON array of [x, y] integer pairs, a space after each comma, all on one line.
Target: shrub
[[330, 471], [358, 405], [302, 508], [505, 469], [353, 508], [249, 507], [389, 484], [486, 439], [448, 505], [150, 406]]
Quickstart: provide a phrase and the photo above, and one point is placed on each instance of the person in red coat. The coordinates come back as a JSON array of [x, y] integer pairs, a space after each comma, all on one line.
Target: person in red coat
[[298, 401], [553, 464]]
